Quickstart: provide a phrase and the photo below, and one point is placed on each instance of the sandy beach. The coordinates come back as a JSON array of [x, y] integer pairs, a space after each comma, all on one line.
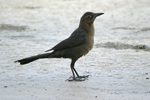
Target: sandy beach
[[119, 63]]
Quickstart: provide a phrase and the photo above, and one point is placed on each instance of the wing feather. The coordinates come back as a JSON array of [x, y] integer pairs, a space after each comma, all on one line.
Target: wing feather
[[78, 37]]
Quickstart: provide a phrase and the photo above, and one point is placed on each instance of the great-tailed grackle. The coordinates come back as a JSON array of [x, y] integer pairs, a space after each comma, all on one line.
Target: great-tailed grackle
[[78, 44]]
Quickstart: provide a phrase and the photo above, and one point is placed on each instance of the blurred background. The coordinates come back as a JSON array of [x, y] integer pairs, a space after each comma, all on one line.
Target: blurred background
[[119, 62], [124, 20]]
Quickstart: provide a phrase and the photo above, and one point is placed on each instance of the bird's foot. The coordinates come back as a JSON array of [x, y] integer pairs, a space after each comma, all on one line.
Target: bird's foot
[[79, 78], [84, 76]]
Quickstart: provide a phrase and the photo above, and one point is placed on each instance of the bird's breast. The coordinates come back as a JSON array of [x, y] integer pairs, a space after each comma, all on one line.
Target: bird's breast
[[89, 42]]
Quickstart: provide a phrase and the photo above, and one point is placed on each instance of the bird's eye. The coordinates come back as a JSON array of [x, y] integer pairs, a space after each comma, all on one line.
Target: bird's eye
[[90, 16]]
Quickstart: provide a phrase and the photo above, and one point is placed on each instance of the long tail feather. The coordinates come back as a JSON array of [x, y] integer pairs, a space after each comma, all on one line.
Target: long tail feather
[[33, 58]]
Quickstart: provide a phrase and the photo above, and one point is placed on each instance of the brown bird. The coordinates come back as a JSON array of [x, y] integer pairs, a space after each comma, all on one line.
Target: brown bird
[[77, 45]]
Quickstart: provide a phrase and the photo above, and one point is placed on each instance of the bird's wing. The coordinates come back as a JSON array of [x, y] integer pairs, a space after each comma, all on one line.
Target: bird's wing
[[77, 38]]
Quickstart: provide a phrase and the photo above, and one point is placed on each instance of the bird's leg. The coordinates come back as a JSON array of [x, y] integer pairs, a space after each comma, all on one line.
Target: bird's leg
[[76, 72], [72, 78], [73, 73], [78, 78], [84, 76]]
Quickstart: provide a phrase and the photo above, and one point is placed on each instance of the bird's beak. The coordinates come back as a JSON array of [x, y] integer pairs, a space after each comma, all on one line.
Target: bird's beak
[[97, 14]]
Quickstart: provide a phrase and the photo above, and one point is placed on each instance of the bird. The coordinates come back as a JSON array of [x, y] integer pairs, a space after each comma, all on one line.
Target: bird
[[78, 44]]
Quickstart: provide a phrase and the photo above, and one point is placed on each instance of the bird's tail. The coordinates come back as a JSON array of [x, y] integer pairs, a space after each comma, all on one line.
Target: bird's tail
[[33, 58]]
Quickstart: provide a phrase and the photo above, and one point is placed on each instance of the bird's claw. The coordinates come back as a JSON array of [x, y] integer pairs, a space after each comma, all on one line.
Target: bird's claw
[[84, 76], [79, 78]]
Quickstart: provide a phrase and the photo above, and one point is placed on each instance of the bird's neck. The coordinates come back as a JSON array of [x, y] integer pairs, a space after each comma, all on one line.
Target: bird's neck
[[89, 28]]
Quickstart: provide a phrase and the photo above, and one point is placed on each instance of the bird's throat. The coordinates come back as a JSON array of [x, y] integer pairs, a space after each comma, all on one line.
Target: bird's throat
[[88, 27]]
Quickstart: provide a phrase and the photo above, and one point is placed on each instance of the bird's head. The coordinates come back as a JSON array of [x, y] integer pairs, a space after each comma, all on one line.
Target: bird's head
[[89, 17]]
